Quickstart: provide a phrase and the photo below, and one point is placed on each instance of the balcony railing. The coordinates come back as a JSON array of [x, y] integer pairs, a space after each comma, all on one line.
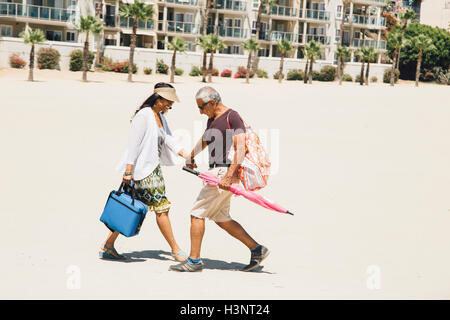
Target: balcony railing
[[231, 5], [36, 12], [370, 1], [278, 35], [318, 38], [368, 21], [128, 23], [232, 32], [281, 11], [317, 15], [184, 2], [358, 43], [182, 27]]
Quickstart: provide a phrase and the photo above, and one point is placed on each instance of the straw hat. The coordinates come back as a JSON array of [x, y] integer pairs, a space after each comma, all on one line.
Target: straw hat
[[167, 93]]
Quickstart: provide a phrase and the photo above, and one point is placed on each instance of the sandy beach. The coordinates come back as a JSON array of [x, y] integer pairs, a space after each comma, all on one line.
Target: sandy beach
[[364, 169]]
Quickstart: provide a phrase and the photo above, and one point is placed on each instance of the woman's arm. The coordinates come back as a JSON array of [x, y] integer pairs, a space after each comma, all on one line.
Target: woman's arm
[[137, 132]]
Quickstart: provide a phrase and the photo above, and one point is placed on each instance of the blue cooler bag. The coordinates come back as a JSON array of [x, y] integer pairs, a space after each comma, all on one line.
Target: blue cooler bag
[[123, 212]]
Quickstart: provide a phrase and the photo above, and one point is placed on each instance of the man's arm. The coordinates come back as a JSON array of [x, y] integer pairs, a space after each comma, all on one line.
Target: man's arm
[[239, 155], [199, 147]]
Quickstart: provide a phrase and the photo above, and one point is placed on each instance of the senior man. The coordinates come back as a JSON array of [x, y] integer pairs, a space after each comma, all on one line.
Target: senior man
[[225, 129]]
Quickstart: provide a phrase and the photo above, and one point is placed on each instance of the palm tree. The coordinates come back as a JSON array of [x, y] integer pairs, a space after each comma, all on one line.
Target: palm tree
[[359, 53], [422, 43], [342, 53], [251, 46], [312, 49], [395, 38], [409, 14], [136, 11], [370, 56], [305, 76], [87, 25], [99, 36], [177, 44], [205, 26], [262, 4], [205, 44], [285, 47], [32, 37], [216, 45]]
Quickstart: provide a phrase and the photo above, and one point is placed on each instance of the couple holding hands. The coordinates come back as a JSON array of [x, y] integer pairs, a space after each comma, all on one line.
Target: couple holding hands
[[150, 145]]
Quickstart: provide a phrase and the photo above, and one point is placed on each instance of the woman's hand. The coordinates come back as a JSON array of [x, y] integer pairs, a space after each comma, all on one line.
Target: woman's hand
[[127, 178]]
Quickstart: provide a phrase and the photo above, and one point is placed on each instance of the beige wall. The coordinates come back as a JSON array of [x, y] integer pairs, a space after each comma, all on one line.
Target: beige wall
[[435, 13]]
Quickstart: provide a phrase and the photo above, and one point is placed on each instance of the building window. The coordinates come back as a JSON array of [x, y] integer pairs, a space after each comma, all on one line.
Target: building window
[[70, 36], [53, 35], [237, 23], [6, 31], [189, 18]]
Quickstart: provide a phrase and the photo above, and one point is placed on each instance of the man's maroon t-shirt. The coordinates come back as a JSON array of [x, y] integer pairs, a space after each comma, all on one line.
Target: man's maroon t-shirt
[[219, 136]]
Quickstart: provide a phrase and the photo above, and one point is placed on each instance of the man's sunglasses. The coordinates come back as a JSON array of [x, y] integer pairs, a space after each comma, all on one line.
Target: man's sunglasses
[[203, 105]]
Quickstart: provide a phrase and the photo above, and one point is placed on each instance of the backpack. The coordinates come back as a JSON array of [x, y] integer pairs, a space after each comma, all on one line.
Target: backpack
[[255, 168]]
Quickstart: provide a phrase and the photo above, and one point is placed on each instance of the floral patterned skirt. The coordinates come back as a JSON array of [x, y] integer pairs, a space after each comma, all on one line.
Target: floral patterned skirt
[[152, 191]]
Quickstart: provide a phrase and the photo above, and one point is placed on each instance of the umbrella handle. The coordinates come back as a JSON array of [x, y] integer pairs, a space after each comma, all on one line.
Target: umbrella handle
[[191, 170]]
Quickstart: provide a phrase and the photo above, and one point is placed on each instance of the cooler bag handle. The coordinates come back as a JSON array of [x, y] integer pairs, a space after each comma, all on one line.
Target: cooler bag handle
[[132, 194]]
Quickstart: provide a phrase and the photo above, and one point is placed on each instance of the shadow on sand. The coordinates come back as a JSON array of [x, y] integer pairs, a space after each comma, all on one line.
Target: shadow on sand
[[209, 264]]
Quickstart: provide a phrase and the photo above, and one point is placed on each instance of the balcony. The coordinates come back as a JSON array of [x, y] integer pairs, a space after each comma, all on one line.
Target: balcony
[[182, 27], [371, 2], [36, 12], [128, 23], [232, 32], [278, 36], [281, 11], [359, 43], [316, 15], [318, 38], [366, 21], [231, 5], [182, 2]]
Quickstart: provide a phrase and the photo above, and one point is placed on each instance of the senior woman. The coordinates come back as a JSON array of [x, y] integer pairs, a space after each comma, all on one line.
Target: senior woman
[[150, 145]]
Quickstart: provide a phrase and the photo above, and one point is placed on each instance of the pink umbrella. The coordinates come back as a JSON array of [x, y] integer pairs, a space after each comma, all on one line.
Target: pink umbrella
[[236, 189]]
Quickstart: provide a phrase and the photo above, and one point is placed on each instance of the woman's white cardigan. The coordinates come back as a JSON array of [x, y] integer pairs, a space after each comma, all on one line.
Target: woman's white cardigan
[[142, 149]]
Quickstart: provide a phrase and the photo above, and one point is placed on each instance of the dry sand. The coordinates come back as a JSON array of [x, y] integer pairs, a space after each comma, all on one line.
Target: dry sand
[[364, 169]]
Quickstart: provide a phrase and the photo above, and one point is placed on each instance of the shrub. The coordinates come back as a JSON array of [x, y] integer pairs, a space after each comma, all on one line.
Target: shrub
[[242, 73], [295, 75], [327, 73], [15, 61], [315, 75], [226, 73], [122, 67], [347, 77], [76, 60], [427, 76], [148, 70], [262, 74], [358, 78], [387, 76], [108, 64], [195, 71], [179, 72], [215, 72], [277, 75], [48, 58], [443, 77], [161, 67]]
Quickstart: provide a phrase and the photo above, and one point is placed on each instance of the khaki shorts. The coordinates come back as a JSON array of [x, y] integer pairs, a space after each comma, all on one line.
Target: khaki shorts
[[212, 202]]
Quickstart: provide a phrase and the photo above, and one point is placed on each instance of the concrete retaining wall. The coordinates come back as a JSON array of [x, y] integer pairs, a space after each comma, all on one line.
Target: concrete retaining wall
[[147, 58]]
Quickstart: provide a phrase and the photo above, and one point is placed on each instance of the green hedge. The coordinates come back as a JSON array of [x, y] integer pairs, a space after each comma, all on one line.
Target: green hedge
[[295, 75], [48, 58], [327, 73], [76, 60]]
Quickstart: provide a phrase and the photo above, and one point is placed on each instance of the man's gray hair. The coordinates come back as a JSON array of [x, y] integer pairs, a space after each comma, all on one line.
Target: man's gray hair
[[207, 94]]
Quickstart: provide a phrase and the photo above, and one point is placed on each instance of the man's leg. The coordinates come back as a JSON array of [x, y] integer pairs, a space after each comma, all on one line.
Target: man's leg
[[237, 231], [197, 232]]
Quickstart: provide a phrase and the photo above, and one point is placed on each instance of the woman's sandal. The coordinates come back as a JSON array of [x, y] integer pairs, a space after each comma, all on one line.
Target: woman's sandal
[[109, 254], [181, 252]]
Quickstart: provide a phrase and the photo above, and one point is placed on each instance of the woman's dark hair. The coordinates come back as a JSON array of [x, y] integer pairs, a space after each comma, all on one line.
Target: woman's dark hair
[[150, 101]]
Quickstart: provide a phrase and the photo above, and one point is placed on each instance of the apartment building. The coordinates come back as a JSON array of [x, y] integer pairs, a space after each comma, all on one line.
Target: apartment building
[[298, 21]]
